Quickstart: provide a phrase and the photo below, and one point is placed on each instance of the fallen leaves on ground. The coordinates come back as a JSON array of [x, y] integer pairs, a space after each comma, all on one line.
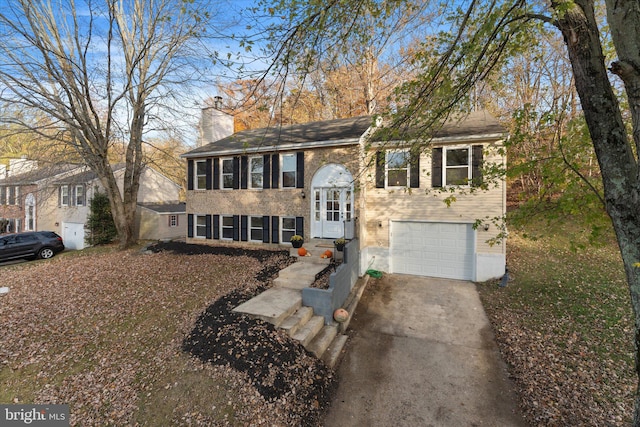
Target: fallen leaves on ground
[[104, 332]]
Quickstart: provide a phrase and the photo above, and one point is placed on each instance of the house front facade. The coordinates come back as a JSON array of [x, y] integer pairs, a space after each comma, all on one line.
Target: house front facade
[[333, 179]]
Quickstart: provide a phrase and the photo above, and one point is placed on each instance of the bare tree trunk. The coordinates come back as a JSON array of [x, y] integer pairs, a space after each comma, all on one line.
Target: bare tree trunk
[[613, 149]]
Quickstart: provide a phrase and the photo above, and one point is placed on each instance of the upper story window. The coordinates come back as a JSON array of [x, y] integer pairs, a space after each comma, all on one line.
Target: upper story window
[[397, 168], [227, 173], [201, 175], [79, 195], [64, 195], [455, 166], [457, 162], [256, 172], [288, 171]]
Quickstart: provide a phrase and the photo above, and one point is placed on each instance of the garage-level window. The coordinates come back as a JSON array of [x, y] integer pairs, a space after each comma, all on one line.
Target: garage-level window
[[173, 220], [201, 226], [227, 227], [255, 228], [457, 166], [397, 168], [287, 229]]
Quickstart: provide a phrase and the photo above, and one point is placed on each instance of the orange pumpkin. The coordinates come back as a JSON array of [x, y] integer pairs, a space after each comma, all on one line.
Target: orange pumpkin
[[328, 253], [302, 252]]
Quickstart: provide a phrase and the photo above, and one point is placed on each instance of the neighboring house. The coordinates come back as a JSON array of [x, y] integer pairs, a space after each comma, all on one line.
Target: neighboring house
[[159, 221], [24, 187], [67, 212], [332, 179]]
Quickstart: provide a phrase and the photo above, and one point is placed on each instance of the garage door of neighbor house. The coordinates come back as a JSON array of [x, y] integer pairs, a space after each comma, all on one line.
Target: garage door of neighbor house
[[73, 235], [432, 249]]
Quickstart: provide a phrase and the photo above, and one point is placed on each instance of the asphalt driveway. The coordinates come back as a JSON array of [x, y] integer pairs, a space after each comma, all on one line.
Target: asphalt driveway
[[422, 353]]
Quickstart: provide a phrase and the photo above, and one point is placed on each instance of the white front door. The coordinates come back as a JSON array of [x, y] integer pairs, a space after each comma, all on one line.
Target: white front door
[[332, 206]]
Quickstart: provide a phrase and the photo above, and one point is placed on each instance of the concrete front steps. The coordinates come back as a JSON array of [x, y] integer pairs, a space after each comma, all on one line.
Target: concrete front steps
[[282, 307]]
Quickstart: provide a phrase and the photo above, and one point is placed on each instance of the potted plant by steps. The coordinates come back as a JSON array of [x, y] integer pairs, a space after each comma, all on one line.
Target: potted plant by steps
[[297, 241], [339, 243]]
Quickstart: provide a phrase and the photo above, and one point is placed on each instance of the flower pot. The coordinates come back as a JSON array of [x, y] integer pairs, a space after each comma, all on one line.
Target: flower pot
[[339, 247], [297, 243]]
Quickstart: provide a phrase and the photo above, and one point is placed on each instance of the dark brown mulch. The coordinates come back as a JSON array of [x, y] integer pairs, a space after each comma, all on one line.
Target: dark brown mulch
[[276, 364], [322, 278]]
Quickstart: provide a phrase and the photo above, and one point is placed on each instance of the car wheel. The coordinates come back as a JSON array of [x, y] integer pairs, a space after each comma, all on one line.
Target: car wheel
[[45, 253]]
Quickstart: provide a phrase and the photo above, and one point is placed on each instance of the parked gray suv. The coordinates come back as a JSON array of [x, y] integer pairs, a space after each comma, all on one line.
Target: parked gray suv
[[30, 245]]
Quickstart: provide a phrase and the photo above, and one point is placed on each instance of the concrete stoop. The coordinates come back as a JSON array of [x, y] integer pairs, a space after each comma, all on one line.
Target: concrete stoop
[[282, 306]]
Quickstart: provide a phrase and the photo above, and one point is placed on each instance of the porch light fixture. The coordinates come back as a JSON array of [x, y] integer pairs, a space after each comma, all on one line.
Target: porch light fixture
[[302, 194], [486, 227]]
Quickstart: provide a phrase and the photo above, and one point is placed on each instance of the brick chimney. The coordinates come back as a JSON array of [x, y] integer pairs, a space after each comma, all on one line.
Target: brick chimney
[[214, 123]]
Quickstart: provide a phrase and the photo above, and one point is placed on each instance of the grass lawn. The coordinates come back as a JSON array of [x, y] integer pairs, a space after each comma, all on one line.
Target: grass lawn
[[102, 331], [564, 326]]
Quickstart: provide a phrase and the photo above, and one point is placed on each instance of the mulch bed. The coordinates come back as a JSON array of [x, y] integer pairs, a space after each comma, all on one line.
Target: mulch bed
[[277, 365]]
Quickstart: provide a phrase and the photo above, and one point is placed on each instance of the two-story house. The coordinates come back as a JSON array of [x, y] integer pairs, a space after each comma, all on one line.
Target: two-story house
[[333, 178]]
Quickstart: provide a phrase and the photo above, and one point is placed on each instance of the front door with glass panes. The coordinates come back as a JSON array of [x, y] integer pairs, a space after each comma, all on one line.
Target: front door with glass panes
[[332, 207]]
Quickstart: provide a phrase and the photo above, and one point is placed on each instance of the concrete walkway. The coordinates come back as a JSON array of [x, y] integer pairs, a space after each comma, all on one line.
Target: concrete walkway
[[422, 353]]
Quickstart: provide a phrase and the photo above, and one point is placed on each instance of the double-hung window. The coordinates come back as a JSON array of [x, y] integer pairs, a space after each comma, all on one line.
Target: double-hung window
[[289, 171], [201, 226], [201, 175], [397, 168], [227, 227], [227, 173], [256, 172], [64, 195], [287, 228], [457, 162], [255, 229], [79, 195]]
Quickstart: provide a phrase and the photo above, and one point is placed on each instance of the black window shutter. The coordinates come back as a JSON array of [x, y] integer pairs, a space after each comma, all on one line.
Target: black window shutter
[[266, 171], [190, 225], [275, 171], [236, 173], [436, 167], [244, 223], [216, 174], [189, 174], [243, 171], [275, 229], [300, 169], [216, 227], [208, 226], [265, 229], [476, 165], [236, 227], [208, 175], [380, 169], [414, 173], [300, 226]]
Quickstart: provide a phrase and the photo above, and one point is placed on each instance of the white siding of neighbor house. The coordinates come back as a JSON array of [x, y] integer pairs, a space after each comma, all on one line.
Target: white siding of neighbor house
[[382, 206]]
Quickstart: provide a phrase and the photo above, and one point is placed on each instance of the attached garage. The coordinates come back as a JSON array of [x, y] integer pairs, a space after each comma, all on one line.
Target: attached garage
[[435, 249], [73, 235]]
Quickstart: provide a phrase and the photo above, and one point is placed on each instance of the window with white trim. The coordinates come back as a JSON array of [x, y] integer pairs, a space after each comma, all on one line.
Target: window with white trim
[[201, 175], [64, 195], [289, 171], [227, 226], [201, 226], [79, 195], [256, 170], [287, 228], [255, 229], [173, 220], [397, 168], [226, 173], [457, 166]]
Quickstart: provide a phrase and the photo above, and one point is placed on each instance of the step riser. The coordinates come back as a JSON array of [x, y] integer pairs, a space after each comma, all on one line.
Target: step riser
[[309, 330], [322, 340]]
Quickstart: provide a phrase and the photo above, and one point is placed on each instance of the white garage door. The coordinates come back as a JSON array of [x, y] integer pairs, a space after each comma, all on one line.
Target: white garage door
[[432, 249], [73, 235]]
